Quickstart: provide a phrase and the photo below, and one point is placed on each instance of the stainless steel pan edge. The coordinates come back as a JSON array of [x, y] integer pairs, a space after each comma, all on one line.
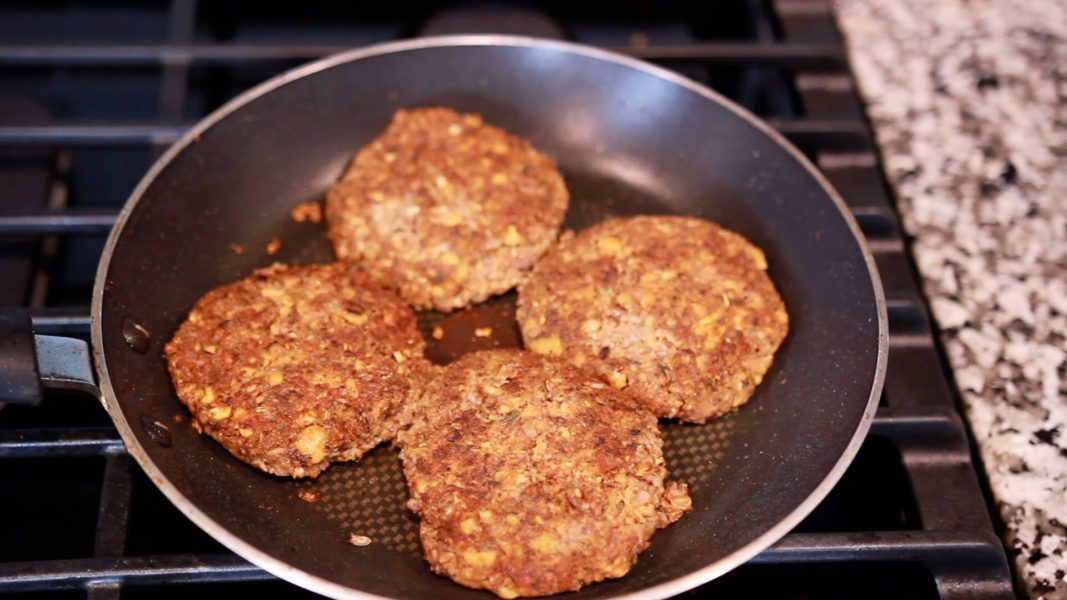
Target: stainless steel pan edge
[[323, 586]]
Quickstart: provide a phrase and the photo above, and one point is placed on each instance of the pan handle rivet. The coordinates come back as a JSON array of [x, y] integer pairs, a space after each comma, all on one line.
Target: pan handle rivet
[[137, 337], [157, 431]]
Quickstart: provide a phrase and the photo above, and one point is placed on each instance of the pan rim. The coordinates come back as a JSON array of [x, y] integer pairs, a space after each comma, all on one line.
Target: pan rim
[[326, 587]]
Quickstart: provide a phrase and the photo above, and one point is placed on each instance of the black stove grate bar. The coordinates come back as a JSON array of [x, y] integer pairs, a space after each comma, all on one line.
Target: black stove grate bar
[[944, 553], [923, 435], [907, 318], [129, 570], [65, 222], [113, 515], [100, 222], [111, 135], [824, 134], [807, 57], [965, 564], [65, 442]]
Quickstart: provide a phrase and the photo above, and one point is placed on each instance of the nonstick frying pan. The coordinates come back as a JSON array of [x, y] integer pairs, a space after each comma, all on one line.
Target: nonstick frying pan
[[629, 138]]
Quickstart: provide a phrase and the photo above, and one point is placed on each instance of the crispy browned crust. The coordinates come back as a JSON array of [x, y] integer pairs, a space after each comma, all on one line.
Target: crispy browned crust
[[446, 209], [676, 309], [293, 368], [529, 478]]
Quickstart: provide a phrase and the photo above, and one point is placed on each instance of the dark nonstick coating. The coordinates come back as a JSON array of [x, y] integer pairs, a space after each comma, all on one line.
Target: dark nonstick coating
[[629, 138]]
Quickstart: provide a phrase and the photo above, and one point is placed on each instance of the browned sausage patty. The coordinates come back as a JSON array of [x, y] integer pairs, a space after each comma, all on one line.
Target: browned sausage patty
[[293, 368], [445, 208], [676, 309], [529, 478]]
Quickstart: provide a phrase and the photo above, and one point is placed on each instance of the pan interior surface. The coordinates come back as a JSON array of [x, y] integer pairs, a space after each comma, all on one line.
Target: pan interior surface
[[628, 141]]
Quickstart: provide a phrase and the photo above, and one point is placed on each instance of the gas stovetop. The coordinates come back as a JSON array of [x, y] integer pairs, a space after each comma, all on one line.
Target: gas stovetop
[[92, 93]]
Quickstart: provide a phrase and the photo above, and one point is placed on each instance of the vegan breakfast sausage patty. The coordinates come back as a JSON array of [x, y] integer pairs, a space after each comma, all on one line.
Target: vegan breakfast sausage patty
[[446, 209], [529, 476], [293, 368], [676, 309]]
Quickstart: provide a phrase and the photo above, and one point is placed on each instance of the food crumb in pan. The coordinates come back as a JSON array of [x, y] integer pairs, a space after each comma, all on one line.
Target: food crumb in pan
[[274, 246], [359, 540], [237, 249], [438, 333], [307, 211], [308, 495], [483, 332]]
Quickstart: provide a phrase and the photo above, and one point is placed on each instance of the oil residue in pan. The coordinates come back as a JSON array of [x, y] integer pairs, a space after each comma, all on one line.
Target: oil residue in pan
[[487, 326]]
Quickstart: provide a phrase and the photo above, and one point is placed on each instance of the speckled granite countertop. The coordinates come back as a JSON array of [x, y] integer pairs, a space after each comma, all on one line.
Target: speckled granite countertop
[[969, 102]]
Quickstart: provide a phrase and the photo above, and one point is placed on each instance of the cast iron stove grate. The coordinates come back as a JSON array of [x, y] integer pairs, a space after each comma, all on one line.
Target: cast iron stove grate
[[91, 93]]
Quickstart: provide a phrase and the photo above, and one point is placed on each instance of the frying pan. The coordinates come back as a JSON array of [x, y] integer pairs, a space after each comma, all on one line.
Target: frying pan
[[629, 138]]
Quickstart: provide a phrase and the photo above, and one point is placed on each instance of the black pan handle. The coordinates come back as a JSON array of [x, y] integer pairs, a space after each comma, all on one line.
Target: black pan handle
[[30, 362]]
